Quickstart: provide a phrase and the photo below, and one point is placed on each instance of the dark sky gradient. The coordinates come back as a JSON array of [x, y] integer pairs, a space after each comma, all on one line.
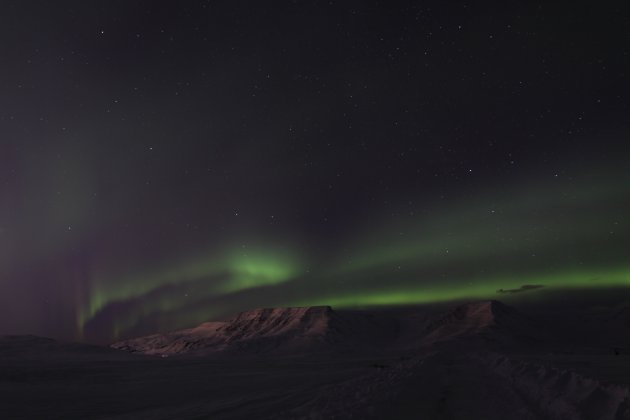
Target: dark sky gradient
[[164, 163]]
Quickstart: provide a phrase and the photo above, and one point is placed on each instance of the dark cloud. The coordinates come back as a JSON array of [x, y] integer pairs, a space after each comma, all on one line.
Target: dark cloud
[[523, 288]]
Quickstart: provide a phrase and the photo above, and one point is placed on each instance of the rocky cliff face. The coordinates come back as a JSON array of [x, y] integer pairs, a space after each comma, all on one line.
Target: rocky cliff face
[[308, 322]]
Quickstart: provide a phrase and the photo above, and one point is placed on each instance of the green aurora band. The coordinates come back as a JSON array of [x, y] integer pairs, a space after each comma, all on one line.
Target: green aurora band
[[482, 289], [229, 273], [462, 250]]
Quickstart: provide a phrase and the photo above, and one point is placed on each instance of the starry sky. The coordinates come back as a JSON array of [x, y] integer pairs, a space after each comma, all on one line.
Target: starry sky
[[164, 163]]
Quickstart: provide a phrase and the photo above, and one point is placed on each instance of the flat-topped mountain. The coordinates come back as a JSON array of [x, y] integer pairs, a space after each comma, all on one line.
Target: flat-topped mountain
[[307, 322], [275, 330]]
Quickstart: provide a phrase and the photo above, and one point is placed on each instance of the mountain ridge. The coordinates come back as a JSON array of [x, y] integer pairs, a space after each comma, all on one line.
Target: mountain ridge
[[320, 328]]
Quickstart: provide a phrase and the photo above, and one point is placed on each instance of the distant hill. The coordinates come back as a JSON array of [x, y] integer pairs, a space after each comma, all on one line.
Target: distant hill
[[34, 347]]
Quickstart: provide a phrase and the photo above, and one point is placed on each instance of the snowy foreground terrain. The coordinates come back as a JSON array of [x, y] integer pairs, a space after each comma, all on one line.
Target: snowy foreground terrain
[[478, 360]]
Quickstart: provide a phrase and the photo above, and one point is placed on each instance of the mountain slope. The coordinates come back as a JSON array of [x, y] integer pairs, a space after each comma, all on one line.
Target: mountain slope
[[488, 321]]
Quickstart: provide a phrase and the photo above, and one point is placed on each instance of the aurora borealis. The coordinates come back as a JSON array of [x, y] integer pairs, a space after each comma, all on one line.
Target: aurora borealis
[[165, 164]]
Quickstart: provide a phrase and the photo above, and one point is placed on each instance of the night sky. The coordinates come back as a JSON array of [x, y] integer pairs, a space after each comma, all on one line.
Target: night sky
[[166, 163]]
